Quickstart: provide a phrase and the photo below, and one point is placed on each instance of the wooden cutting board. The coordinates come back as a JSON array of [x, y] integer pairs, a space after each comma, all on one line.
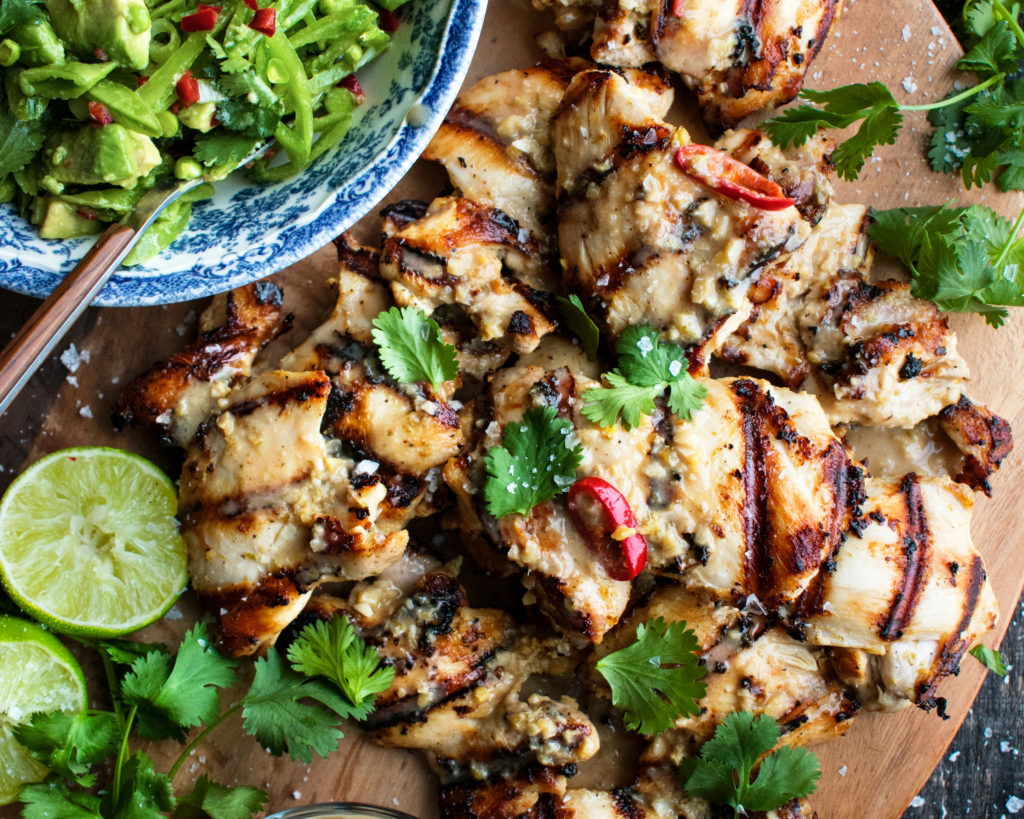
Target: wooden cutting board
[[885, 759]]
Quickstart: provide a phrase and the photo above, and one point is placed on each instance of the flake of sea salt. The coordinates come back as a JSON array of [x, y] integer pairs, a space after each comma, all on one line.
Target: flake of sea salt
[[917, 802], [86, 411], [909, 85], [1014, 804], [70, 358], [906, 33]]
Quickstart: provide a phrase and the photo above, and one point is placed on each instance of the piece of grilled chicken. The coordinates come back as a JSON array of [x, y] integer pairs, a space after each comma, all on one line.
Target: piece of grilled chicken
[[747, 498], [740, 56], [905, 594], [487, 250], [640, 240], [305, 473], [177, 395], [458, 675], [873, 353]]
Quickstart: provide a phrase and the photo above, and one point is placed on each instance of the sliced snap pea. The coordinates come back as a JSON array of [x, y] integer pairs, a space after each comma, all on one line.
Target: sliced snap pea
[[116, 200], [127, 108], [164, 41], [22, 106], [297, 96], [332, 26], [158, 91], [64, 82], [10, 51], [167, 227]]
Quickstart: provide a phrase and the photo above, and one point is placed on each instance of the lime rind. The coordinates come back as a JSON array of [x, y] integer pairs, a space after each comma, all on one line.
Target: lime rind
[[37, 673], [89, 544]]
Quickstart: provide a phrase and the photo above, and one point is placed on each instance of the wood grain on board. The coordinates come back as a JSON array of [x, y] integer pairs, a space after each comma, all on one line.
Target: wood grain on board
[[885, 758]]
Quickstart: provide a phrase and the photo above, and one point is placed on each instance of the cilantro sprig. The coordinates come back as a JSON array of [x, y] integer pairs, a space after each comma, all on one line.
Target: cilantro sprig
[[979, 129], [411, 347], [536, 461], [656, 678], [723, 773], [288, 708], [647, 367], [966, 259], [990, 658]]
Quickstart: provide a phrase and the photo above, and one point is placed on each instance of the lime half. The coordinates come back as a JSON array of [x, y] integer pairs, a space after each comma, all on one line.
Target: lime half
[[89, 544], [36, 674]]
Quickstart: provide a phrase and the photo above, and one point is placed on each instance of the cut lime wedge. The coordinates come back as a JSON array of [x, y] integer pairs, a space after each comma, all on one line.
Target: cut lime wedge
[[36, 674], [89, 544]]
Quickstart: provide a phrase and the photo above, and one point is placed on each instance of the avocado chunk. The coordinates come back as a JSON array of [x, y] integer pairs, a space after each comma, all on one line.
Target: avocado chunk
[[59, 220], [119, 28], [111, 155]]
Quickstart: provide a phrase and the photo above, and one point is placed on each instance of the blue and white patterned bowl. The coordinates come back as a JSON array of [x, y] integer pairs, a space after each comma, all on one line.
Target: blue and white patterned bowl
[[248, 231]]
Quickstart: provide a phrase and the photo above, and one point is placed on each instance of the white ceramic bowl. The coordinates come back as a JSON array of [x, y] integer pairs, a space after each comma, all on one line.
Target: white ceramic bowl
[[248, 231]]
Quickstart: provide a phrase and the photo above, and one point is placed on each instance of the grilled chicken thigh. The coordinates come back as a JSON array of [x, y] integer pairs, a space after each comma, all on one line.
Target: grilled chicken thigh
[[905, 594], [177, 395], [642, 241], [739, 56], [458, 674]]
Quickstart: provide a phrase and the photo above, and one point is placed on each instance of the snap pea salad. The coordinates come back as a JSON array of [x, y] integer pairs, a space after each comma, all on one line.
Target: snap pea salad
[[103, 99]]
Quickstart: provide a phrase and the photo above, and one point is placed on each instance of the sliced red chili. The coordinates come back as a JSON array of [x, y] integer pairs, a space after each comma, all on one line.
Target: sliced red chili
[[678, 7], [90, 216], [188, 90], [350, 83], [731, 178], [99, 113], [605, 521], [389, 21], [251, 4], [264, 21], [101, 55], [141, 81], [204, 19]]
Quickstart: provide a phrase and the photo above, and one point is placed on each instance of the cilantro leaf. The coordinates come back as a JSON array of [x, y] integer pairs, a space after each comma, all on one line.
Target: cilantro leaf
[[334, 650], [994, 53], [580, 323], [537, 461], [722, 774], [647, 367], [604, 405], [126, 652], [963, 259], [655, 679], [18, 13], [53, 799], [172, 698], [220, 148], [145, 792], [990, 658], [411, 347], [248, 118], [216, 801], [20, 140], [880, 127], [272, 712], [70, 744]]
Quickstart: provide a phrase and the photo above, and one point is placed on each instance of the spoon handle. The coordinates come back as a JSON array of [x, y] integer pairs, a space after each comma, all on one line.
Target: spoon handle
[[55, 316]]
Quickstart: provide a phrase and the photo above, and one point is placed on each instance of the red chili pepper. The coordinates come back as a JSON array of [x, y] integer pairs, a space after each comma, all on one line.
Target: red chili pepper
[[350, 83], [605, 521], [389, 21], [99, 113], [264, 21], [204, 19], [188, 89], [141, 81], [731, 178], [101, 55], [678, 7], [91, 216]]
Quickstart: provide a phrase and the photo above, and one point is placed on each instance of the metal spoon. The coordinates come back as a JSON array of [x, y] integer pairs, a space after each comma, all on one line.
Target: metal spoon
[[54, 318]]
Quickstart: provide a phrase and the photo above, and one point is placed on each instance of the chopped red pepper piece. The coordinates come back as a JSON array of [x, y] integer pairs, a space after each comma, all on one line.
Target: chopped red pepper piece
[[678, 7], [389, 21], [731, 178], [251, 4], [605, 521], [188, 90], [99, 113], [204, 19], [89, 215], [141, 81], [350, 83], [101, 55], [264, 21]]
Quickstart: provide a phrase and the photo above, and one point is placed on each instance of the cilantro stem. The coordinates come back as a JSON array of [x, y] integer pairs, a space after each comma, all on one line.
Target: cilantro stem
[[108, 670], [963, 95], [1010, 240], [122, 752], [199, 738], [1011, 21]]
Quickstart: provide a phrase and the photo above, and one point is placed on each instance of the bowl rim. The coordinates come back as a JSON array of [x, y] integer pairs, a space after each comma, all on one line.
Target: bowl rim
[[457, 45], [317, 809]]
